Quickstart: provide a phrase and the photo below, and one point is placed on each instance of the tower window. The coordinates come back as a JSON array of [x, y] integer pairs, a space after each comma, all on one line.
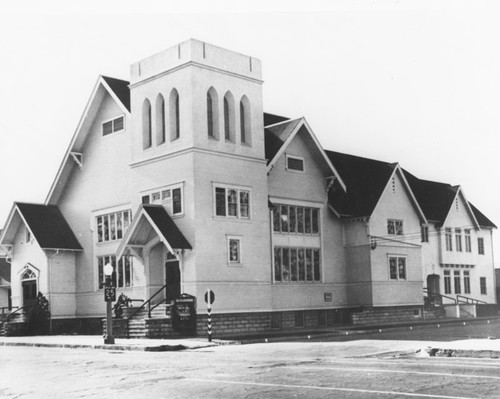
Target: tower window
[[245, 120], [146, 124], [160, 120], [174, 115], [212, 113], [228, 117]]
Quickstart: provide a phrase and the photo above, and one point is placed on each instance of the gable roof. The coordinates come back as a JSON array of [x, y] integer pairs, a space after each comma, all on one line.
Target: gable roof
[[118, 90], [150, 222], [277, 137], [481, 218], [121, 89], [45, 222], [366, 180]]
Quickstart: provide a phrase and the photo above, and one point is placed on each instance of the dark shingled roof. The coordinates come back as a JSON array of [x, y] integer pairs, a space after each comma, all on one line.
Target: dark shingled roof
[[275, 136], [434, 198], [121, 89], [481, 218], [271, 119], [365, 180], [49, 227], [167, 226]]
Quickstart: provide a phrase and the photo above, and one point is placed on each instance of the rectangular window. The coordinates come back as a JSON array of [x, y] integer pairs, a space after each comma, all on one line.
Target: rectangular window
[[122, 270], [424, 233], [112, 226], [447, 282], [232, 202], [297, 264], [170, 197], [234, 250], [113, 126], [397, 268], [295, 164], [449, 243], [456, 278], [480, 246], [395, 227], [482, 283], [458, 239], [291, 219], [466, 282], [468, 242]]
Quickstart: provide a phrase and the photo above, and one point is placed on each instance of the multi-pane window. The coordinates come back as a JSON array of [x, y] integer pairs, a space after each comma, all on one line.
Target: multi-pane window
[[171, 198], [456, 279], [480, 246], [291, 219], [447, 282], [122, 270], [482, 284], [232, 202], [395, 227], [466, 282], [424, 233], [297, 264], [234, 250], [397, 268], [448, 238], [468, 242], [112, 126], [458, 239], [112, 226]]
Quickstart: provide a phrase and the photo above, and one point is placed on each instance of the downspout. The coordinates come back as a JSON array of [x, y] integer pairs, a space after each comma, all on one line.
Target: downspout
[[49, 285]]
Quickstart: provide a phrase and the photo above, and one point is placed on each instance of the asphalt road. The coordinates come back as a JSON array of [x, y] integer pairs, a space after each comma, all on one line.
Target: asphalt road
[[357, 369]]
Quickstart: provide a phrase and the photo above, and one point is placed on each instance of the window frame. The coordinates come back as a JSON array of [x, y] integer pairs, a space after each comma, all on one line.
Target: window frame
[[458, 240], [395, 223], [122, 273], [466, 275], [303, 271], [398, 271], [239, 204], [109, 216], [112, 120], [482, 286], [164, 201], [297, 158], [480, 246], [468, 240], [424, 233], [448, 236], [314, 228], [447, 281], [238, 239], [457, 285]]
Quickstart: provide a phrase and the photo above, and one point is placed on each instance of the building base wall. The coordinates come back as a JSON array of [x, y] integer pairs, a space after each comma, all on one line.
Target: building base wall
[[388, 314]]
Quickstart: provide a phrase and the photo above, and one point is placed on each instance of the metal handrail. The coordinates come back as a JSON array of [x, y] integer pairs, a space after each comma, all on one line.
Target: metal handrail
[[148, 302], [472, 300], [15, 311], [8, 308], [435, 295]]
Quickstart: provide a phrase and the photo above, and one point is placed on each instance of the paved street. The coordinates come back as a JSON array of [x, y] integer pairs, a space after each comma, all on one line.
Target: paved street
[[356, 369]]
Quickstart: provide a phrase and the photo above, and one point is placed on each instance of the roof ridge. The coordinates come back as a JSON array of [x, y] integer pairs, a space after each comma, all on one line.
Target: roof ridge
[[282, 122]]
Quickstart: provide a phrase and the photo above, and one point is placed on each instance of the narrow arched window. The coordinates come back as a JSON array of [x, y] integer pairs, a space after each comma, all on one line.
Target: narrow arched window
[[160, 120], [212, 114], [146, 125], [229, 116], [175, 126], [245, 120]]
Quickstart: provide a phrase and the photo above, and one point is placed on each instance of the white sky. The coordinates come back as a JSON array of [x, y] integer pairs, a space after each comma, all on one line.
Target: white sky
[[414, 82]]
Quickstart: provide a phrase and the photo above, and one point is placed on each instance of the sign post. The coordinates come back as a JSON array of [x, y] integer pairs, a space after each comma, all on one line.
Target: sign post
[[209, 299], [109, 297]]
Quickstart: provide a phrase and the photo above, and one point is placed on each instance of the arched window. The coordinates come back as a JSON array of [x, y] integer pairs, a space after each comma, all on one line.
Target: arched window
[[28, 275], [160, 119], [212, 113], [245, 120], [146, 124], [229, 116], [175, 127]]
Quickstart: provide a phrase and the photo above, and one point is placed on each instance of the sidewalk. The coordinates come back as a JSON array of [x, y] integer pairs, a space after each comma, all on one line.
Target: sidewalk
[[97, 342]]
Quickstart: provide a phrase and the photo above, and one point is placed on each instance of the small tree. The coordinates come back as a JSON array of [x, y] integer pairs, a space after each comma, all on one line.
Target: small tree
[[39, 316]]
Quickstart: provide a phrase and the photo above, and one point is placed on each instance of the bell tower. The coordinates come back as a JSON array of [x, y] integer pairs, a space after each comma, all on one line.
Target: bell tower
[[196, 95]]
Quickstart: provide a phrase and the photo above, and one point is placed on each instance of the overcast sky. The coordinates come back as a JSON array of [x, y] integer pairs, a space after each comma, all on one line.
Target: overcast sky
[[414, 82]]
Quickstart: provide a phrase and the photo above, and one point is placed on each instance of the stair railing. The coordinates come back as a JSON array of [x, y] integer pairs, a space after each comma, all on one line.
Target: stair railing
[[16, 311], [440, 296], [9, 308], [469, 300], [148, 303]]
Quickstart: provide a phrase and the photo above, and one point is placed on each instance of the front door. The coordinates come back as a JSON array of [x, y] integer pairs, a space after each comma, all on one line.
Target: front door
[[433, 289], [29, 292], [172, 279]]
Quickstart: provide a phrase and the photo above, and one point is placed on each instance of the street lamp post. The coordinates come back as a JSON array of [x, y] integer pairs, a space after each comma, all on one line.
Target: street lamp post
[[109, 297]]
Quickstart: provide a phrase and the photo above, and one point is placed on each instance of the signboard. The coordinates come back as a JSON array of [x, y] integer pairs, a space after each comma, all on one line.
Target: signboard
[[328, 296], [109, 294], [209, 297], [184, 313]]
